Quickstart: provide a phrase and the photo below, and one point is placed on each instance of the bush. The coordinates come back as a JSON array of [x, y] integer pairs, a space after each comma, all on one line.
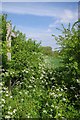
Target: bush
[[38, 91]]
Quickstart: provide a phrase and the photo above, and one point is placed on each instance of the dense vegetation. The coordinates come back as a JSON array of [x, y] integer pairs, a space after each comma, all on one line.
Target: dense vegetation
[[37, 90]]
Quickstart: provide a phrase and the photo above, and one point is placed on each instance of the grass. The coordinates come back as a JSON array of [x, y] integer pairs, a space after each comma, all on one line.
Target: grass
[[53, 62]]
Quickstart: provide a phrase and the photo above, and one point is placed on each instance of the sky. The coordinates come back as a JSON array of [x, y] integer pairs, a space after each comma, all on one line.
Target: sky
[[40, 0], [39, 20]]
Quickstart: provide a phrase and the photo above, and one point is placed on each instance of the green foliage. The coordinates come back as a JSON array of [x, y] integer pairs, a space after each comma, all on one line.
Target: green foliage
[[47, 51], [4, 17], [38, 91], [52, 61], [69, 73], [3, 31]]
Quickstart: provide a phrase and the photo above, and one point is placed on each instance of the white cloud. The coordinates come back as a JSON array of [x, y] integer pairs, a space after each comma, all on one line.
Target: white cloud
[[30, 9], [66, 17], [43, 36], [61, 15], [33, 9]]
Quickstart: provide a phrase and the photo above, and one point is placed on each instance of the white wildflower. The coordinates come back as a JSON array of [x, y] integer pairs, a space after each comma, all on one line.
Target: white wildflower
[[30, 86], [34, 90], [64, 99], [10, 113], [6, 95], [43, 72], [9, 107], [44, 111], [57, 89], [2, 105], [7, 116], [28, 116], [59, 114], [55, 95], [52, 93], [32, 77], [52, 105], [26, 71], [20, 92], [56, 107], [22, 100], [52, 78], [26, 93], [14, 110], [62, 90], [3, 100], [50, 115], [46, 103], [60, 95], [6, 91], [1, 84], [10, 96], [1, 91]]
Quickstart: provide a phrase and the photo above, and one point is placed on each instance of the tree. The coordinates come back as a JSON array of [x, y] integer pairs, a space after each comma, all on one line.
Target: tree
[[47, 50], [25, 56], [69, 73]]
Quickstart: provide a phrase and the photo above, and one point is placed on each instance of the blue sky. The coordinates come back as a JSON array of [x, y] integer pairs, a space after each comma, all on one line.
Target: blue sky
[[39, 20], [40, 0]]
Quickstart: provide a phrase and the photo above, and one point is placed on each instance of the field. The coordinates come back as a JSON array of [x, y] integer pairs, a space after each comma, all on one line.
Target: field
[[53, 62]]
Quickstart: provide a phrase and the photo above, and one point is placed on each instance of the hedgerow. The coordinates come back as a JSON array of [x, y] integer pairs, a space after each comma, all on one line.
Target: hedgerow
[[38, 91]]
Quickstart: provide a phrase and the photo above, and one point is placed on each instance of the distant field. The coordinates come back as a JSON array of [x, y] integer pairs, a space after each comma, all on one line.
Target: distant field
[[51, 61]]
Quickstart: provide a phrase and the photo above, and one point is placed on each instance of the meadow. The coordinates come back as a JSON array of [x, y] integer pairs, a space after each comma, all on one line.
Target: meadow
[[52, 61]]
